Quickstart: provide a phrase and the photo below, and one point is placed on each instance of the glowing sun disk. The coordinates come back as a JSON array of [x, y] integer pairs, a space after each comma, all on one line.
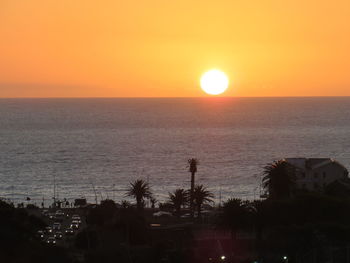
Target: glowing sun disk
[[214, 82]]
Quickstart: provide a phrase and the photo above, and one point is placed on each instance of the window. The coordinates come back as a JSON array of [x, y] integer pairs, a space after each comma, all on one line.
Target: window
[[315, 185], [315, 175], [303, 175]]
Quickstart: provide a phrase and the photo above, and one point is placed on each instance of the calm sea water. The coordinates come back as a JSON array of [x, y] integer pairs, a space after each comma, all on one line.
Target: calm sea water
[[110, 142]]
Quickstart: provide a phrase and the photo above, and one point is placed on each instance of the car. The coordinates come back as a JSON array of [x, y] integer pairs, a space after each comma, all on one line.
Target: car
[[51, 241], [74, 226], [59, 215], [69, 231], [41, 234], [76, 218], [58, 235], [51, 216], [76, 222], [56, 226], [48, 229], [188, 215], [45, 212]]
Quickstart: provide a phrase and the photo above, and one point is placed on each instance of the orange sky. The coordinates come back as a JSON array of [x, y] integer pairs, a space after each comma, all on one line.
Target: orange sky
[[111, 48]]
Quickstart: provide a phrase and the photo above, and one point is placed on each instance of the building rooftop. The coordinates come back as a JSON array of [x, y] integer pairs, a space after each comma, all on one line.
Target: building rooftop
[[308, 163]]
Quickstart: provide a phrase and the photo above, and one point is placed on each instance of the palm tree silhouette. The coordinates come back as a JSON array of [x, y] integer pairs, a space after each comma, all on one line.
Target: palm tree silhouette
[[178, 198], [193, 162], [139, 189], [279, 179], [200, 196]]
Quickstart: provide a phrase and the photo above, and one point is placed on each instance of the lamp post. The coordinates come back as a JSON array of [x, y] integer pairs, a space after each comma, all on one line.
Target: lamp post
[[193, 169]]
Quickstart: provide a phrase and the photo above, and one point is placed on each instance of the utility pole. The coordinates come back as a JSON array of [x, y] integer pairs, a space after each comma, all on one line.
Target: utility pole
[[54, 190], [147, 201], [93, 187], [12, 194], [193, 169]]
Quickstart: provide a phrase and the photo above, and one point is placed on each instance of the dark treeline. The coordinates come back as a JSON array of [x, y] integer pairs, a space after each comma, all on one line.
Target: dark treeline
[[288, 226], [306, 228]]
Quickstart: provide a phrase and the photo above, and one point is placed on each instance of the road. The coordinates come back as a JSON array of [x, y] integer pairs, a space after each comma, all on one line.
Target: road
[[44, 214]]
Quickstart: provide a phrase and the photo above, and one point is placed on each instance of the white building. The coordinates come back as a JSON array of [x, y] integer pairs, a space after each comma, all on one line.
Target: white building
[[313, 174]]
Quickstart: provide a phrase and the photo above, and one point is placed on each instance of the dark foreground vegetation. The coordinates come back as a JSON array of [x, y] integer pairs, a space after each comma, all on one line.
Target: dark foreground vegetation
[[304, 228], [290, 225], [18, 239]]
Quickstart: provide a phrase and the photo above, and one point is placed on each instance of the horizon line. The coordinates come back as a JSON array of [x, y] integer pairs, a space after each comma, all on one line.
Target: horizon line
[[180, 97]]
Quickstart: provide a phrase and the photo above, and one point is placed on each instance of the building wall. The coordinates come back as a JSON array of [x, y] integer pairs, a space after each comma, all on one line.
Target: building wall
[[316, 179]]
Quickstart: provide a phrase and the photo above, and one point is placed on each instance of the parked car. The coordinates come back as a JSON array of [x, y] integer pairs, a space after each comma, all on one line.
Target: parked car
[[45, 212], [51, 241], [74, 225], [48, 229], [58, 235], [76, 222], [59, 215], [76, 218], [51, 216], [56, 226], [41, 234], [69, 231]]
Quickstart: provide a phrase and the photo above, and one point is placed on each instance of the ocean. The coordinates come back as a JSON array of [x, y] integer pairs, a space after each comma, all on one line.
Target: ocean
[[82, 144]]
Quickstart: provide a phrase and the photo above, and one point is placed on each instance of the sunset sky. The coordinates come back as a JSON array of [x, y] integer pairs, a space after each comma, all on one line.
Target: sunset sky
[[160, 48]]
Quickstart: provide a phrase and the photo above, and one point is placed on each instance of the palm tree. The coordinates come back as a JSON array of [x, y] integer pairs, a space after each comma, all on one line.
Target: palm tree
[[178, 198], [139, 189], [200, 196], [279, 179], [193, 162]]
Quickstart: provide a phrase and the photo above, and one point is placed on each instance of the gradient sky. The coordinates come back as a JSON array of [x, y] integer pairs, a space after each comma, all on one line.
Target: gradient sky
[[89, 48]]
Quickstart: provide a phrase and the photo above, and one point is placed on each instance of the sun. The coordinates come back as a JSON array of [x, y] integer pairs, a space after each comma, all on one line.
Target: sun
[[214, 82]]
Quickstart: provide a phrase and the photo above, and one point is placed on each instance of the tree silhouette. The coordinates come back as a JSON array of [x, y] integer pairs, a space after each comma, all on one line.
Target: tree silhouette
[[139, 189], [234, 215], [178, 198], [125, 204], [153, 201], [200, 196], [193, 162], [279, 179]]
